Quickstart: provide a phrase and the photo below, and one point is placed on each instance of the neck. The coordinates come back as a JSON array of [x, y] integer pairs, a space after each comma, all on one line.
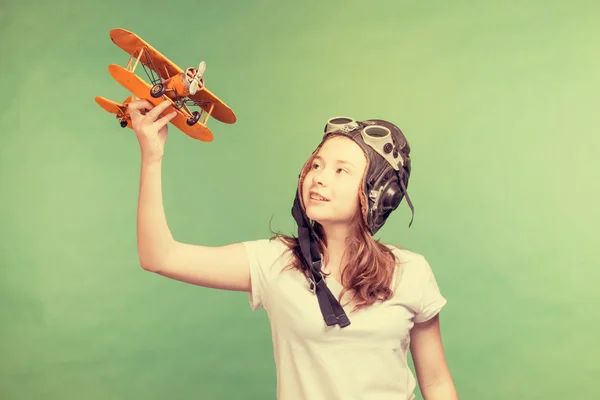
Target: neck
[[336, 245]]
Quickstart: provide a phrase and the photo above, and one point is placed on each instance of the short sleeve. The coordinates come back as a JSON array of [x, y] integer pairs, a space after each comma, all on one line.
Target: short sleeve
[[432, 300], [263, 258]]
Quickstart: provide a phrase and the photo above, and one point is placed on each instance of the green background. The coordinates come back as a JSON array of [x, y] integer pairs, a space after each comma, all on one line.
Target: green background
[[499, 101]]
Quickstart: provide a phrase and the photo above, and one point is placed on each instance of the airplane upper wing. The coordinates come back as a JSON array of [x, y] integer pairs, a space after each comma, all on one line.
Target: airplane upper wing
[[151, 58]]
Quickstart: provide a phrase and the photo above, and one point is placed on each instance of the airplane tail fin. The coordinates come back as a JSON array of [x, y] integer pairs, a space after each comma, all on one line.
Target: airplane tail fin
[[120, 110]]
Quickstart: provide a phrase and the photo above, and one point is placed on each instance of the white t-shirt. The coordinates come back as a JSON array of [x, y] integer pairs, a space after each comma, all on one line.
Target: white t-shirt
[[366, 360]]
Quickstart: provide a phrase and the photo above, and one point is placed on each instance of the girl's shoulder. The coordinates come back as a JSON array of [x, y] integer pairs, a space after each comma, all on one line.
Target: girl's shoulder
[[405, 255]]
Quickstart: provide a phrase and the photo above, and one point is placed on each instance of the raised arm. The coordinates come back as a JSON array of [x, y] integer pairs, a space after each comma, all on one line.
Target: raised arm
[[224, 267]]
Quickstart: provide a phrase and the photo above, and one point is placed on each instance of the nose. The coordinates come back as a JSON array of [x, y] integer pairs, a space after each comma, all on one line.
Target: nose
[[318, 178]]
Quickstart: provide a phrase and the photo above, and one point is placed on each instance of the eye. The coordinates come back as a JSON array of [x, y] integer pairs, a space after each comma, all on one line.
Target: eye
[[342, 169], [315, 165]]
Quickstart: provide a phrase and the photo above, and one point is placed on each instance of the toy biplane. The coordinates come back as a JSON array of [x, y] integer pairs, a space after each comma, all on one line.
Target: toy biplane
[[184, 89]]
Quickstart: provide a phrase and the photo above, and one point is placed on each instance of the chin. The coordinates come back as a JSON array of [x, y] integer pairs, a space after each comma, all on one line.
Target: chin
[[324, 217], [317, 215]]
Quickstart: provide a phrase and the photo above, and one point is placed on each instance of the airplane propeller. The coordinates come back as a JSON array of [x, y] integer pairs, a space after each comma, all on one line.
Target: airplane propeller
[[197, 78]]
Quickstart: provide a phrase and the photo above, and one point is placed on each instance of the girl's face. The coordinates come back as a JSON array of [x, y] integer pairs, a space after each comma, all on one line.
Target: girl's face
[[336, 175]]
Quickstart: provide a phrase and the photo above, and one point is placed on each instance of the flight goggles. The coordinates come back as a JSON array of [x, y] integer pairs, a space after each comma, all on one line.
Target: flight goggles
[[375, 135]]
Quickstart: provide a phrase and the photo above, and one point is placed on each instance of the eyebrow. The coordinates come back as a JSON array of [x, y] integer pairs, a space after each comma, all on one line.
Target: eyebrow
[[337, 161]]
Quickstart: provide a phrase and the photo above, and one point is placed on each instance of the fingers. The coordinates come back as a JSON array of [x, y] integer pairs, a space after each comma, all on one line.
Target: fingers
[[165, 119], [142, 112], [139, 104], [142, 104], [156, 111]]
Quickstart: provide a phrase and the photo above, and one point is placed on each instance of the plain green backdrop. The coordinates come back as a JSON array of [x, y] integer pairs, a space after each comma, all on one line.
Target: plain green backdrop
[[499, 102]]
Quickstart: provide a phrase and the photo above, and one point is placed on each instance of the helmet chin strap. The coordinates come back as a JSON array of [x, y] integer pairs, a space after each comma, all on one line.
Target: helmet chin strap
[[332, 311], [410, 204]]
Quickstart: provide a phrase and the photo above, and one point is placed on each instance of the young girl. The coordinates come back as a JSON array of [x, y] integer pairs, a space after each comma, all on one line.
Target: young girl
[[344, 309]]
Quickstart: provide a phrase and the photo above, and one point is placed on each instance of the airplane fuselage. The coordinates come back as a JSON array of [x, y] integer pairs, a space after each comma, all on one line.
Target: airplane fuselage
[[179, 85]]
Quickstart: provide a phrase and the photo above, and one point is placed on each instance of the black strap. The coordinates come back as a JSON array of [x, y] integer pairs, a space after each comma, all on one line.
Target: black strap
[[332, 311], [412, 208]]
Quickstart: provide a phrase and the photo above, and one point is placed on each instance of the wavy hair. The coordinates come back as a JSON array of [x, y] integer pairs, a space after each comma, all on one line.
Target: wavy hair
[[368, 266]]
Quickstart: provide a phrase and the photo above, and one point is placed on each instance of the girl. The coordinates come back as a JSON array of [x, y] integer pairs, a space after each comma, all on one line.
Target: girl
[[344, 309]]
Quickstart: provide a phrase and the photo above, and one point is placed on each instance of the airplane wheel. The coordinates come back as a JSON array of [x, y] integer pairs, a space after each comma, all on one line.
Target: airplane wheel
[[123, 124], [192, 120], [157, 90]]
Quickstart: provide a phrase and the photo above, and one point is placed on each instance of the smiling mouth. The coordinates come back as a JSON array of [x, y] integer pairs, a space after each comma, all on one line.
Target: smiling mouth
[[314, 197]]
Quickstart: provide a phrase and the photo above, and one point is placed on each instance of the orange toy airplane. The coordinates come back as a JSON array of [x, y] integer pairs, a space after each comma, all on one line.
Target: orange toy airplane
[[168, 81]]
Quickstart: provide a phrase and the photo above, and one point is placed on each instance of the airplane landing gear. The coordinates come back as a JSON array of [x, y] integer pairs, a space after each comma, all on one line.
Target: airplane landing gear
[[157, 90], [192, 120]]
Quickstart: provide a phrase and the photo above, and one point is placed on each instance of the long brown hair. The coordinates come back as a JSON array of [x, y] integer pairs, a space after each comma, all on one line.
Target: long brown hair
[[368, 265]]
